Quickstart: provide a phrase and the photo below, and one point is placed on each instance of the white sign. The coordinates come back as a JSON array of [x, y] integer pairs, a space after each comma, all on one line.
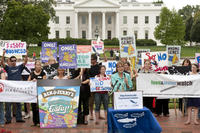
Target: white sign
[[128, 100], [97, 46], [100, 84], [159, 60], [173, 86], [18, 91], [127, 46], [174, 55], [110, 67]]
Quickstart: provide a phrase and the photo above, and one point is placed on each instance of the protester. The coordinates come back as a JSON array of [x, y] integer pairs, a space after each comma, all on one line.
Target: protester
[[61, 74], [14, 73], [101, 96], [193, 103], [121, 81], [147, 101], [127, 69], [84, 95], [117, 55], [35, 75], [111, 53], [2, 121]]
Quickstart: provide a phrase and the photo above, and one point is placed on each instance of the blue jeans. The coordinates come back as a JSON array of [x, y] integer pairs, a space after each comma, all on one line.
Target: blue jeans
[[98, 98], [18, 112], [2, 113]]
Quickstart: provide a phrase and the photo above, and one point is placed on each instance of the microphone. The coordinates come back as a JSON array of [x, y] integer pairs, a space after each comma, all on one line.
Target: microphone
[[118, 86], [115, 84]]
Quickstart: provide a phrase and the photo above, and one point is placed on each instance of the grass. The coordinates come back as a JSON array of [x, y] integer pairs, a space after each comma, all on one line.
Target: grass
[[186, 51]]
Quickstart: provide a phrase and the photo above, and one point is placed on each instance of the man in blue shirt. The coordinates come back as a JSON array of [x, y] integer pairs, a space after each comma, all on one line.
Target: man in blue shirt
[[14, 73]]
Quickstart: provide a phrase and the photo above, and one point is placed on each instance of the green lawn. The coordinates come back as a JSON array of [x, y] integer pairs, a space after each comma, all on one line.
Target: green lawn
[[185, 51]]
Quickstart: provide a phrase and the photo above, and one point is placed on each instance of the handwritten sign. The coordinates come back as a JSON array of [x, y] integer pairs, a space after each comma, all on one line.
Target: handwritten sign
[[159, 60], [97, 46], [128, 100], [110, 67], [83, 56], [127, 46], [49, 49], [139, 57], [67, 56], [174, 55], [100, 84]]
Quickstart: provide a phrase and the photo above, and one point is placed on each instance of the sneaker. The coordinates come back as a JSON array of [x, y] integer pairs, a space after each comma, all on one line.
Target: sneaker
[[27, 116], [22, 121]]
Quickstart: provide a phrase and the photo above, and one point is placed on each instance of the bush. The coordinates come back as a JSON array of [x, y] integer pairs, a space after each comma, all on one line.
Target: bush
[[113, 42], [145, 42]]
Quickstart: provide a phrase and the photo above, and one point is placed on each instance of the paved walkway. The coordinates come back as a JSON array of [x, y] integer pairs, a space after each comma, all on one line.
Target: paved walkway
[[171, 124]]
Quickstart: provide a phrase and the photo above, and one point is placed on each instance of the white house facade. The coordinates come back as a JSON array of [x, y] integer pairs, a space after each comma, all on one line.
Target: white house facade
[[105, 18]]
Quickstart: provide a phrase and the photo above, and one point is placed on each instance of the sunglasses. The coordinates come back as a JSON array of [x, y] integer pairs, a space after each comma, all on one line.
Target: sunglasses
[[13, 60]]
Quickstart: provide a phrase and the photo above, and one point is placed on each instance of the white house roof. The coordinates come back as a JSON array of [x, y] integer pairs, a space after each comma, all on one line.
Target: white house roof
[[97, 4]]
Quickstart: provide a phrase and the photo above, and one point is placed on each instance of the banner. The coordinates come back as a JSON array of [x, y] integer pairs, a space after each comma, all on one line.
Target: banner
[[97, 46], [83, 56], [127, 47], [197, 58], [128, 100], [58, 103], [110, 67], [18, 91], [139, 57], [175, 86], [49, 49], [174, 55], [100, 84], [159, 60], [67, 56]]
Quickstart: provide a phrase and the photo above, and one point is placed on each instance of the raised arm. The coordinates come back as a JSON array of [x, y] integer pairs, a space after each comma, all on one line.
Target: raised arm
[[2, 59], [26, 58]]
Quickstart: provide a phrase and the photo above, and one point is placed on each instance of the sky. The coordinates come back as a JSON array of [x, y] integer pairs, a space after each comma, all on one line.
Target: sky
[[177, 4]]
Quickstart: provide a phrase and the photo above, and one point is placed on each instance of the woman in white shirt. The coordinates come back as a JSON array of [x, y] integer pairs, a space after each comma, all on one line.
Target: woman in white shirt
[[61, 74]]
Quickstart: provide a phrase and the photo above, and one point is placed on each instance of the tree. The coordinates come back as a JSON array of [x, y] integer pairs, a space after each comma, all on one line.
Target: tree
[[24, 22], [188, 27], [171, 29], [195, 30], [187, 11]]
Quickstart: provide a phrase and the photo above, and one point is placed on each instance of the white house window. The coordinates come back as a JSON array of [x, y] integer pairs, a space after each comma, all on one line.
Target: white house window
[[57, 20], [83, 19], [57, 34], [146, 34], [96, 19], [125, 33], [109, 34], [83, 34], [157, 19], [135, 19], [109, 20], [146, 19], [136, 34], [124, 19], [68, 33], [68, 20]]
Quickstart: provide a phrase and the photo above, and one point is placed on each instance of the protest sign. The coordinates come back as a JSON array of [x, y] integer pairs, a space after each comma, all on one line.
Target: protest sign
[[162, 85], [127, 46], [58, 103], [28, 67], [174, 55], [49, 49], [51, 70], [97, 46], [67, 56], [139, 57], [83, 56], [3, 44], [100, 84], [159, 60], [110, 67], [197, 58], [18, 91], [128, 100]]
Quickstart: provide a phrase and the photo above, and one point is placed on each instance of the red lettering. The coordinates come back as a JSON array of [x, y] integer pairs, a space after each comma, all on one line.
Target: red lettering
[[153, 57]]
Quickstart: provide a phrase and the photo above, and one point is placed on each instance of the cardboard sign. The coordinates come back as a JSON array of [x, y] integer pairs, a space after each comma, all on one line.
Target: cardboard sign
[[49, 49], [159, 60], [174, 55], [83, 56], [110, 67], [97, 46], [100, 84], [127, 47], [67, 56], [128, 100]]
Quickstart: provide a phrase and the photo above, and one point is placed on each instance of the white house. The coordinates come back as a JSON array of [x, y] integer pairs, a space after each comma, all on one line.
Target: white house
[[104, 18]]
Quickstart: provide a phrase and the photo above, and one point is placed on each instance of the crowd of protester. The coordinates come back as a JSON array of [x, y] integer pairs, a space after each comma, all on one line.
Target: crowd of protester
[[121, 80]]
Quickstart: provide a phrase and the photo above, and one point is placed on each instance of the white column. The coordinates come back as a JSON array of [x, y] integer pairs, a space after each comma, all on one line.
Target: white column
[[76, 25], [103, 25], [117, 25], [89, 25]]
